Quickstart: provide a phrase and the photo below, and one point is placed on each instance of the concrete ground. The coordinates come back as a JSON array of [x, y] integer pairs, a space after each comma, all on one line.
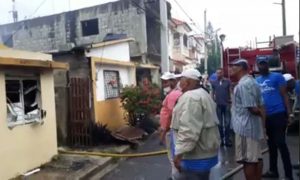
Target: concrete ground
[[157, 168]]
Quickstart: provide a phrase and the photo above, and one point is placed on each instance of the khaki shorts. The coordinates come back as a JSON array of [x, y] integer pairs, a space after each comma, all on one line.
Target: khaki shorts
[[247, 150]]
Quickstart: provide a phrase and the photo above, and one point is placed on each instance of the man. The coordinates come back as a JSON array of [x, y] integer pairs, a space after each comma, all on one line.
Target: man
[[221, 95], [247, 115], [195, 135], [172, 94], [276, 103], [293, 86]]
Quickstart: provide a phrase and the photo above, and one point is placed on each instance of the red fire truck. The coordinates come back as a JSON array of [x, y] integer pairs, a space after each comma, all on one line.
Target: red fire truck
[[283, 53]]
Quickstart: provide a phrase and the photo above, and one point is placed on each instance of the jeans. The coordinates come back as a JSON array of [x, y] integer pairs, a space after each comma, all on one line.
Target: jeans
[[187, 175], [174, 171], [276, 125], [223, 113]]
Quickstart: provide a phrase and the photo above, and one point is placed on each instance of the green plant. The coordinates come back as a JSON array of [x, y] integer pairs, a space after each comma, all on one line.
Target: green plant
[[136, 101]]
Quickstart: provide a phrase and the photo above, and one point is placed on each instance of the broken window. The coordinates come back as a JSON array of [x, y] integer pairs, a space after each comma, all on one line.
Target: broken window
[[90, 27], [111, 84], [23, 99]]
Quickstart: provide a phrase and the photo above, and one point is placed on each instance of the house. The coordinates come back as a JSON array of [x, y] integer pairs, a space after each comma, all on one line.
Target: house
[[185, 50], [92, 86], [28, 122], [138, 19]]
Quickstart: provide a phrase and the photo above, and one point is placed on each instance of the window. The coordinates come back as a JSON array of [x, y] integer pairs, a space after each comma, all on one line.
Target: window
[[185, 40], [89, 27], [176, 38], [23, 99], [111, 84]]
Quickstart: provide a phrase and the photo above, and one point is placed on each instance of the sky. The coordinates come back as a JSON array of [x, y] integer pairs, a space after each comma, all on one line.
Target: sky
[[242, 21]]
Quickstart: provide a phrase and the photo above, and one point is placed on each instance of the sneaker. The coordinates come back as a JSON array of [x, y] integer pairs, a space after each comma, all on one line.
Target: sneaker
[[270, 174]]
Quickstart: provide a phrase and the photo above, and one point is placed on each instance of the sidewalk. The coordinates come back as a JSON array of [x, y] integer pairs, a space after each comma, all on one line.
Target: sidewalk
[[75, 167]]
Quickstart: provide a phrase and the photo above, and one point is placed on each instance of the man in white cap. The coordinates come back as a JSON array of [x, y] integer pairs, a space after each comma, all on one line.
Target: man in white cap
[[195, 135], [172, 94]]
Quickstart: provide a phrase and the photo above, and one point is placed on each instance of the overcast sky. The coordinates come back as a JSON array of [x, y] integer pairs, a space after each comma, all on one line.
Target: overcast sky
[[240, 20]]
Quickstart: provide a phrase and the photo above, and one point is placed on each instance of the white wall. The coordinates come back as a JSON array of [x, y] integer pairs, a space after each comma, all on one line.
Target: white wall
[[26, 147], [118, 52], [126, 78]]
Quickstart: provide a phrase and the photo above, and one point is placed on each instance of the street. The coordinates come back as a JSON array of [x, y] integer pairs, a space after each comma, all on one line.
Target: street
[[157, 168]]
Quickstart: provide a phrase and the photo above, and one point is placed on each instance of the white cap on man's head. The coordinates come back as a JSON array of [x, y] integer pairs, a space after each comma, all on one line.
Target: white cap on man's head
[[191, 74], [168, 76], [288, 77]]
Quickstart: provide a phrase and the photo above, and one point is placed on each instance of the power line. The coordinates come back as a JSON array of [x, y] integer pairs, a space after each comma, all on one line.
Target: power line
[[191, 19], [19, 28]]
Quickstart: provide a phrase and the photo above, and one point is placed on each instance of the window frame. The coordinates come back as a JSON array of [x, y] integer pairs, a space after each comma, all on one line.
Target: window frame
[[105, 84], [11, 124], [86, 23]]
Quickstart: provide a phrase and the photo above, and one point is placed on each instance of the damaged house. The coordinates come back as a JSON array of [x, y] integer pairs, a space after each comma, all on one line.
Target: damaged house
[[68, 36], [28, 111]]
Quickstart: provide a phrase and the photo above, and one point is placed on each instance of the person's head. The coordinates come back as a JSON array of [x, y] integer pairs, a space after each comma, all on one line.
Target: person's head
[[190, 79], [220, 73], [290, 82], [263, 65], [239, 68], [168, 81]]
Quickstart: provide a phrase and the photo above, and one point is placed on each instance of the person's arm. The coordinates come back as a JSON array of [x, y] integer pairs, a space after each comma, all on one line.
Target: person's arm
[[283, 93]]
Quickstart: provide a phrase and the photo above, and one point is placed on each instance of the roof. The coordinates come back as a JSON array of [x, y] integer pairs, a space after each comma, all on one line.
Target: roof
[[108, 43], [12, 57], [178, 22], [20, 54]]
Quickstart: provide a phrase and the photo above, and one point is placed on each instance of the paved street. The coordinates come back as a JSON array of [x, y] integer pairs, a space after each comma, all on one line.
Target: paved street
[[157, 168]]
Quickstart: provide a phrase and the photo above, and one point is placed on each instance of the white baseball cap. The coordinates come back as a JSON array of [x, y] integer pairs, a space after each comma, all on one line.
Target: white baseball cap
[[191, 74], [168, 76], [288, 77]]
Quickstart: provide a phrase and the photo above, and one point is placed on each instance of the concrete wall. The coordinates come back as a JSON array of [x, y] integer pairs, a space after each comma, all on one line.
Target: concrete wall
[[118, 52], [109, 111], [124, 73], [28, 146], [63, 31]]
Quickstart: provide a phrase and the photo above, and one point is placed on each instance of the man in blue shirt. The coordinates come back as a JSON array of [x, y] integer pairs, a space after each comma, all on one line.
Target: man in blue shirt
[[221, 95], [276, 102]]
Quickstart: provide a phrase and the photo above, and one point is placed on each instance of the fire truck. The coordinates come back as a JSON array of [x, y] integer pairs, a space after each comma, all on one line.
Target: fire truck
[[282, 52]]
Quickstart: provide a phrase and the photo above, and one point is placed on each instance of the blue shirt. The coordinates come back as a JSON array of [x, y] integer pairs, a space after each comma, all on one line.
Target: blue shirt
[[297, 88], [247, 94], [221, 91], [270, 89]]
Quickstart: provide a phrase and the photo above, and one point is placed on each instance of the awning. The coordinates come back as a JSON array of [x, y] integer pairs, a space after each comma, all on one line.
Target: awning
[[16, 62]]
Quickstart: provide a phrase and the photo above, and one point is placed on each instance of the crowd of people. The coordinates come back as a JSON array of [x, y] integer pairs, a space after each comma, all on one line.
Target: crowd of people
[[195, 123]]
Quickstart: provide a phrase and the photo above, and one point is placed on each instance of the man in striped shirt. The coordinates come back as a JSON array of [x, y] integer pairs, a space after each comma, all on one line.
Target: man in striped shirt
[[247, 115]]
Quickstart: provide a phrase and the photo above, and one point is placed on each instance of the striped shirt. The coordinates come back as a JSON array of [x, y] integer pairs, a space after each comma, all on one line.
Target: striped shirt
[[247, 94]]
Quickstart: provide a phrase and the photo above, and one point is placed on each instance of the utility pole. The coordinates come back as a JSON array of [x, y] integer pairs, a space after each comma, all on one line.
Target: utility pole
[[164, 36], [205, 48], [283, 17]]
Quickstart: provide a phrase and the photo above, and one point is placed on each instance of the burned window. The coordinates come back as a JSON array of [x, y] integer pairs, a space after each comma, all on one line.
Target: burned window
[[111, 84], [90, 27], [23, 99]]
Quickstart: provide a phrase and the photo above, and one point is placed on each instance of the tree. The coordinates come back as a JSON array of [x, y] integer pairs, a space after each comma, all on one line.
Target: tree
[[213, 50]]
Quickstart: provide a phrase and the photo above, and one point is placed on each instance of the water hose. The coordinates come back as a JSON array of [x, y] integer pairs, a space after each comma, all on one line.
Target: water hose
[[116, 155]]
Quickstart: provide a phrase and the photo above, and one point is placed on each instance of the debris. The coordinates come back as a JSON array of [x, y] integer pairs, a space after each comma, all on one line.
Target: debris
[[129, 133]]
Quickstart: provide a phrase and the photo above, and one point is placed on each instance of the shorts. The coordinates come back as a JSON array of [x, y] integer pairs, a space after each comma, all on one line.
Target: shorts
[[247, 150]]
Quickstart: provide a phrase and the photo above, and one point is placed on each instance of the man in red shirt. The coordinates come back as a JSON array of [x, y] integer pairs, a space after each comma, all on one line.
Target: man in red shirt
[[172, 93]]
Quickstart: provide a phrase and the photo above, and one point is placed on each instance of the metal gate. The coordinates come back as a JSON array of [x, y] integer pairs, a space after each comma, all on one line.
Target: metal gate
[[80, 112]]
